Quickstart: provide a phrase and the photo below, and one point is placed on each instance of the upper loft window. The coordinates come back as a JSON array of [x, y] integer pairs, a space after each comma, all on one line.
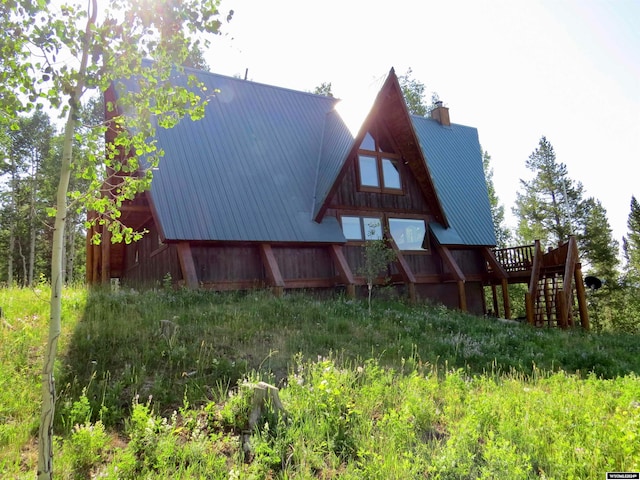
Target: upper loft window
[[378, 170]]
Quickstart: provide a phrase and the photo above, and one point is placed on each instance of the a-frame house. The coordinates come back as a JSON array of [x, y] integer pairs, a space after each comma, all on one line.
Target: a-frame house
[[271, 190]]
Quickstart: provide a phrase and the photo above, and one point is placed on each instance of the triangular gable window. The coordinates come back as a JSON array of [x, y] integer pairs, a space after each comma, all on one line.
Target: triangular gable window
[[378, 170]]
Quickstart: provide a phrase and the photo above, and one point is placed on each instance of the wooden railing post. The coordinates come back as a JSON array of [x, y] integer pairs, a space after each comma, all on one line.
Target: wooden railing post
[[582, 298]]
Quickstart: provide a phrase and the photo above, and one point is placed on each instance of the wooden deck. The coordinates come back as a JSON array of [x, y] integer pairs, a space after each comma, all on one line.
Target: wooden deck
[[556, 294]]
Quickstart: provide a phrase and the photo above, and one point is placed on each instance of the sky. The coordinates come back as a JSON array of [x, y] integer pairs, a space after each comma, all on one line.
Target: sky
[[516, 70]]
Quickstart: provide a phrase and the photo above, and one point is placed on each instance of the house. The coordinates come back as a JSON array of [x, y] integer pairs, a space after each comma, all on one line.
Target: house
[[271, 190]]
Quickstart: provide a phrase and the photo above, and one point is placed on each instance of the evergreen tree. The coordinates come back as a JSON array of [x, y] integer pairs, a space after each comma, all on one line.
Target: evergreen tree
[[550, 207], [503, 235], [598, 246], [631, 243]]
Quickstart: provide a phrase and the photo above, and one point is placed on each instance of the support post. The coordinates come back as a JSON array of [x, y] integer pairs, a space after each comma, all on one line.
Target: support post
[[344, 272], [89, 252], [528, 303], [105, 246], [505, 299], [187, 265], [272, 269], [404, 268], [494, 295], [457, 275], [462, 296], [582, 298]]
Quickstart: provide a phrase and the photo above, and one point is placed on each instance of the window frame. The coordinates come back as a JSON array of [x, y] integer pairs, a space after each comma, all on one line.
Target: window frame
[[380, 156], [385, 225], [363, 231], [425, 240]]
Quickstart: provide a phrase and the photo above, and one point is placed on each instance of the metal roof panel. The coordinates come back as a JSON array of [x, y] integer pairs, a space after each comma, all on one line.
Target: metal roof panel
[[454, 159]]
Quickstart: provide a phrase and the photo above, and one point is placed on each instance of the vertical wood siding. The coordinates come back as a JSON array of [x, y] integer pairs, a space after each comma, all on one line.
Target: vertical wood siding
[[348, 195], [298, 263], [228, 263], [155, 261]]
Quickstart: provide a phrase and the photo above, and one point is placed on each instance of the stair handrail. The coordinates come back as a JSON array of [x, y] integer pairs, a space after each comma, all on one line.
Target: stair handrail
[[535, 270], [569, 270]]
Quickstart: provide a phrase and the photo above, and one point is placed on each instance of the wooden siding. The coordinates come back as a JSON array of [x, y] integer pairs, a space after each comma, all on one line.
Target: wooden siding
[[298, 263], [154, 261], [228, 263], [411, 201], [470, 261]]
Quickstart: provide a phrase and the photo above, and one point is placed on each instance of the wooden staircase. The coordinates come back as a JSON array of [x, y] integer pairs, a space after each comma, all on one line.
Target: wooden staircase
[[556, 295]]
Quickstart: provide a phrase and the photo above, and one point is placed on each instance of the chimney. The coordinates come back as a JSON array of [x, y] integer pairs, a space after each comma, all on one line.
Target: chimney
[[441, 114]]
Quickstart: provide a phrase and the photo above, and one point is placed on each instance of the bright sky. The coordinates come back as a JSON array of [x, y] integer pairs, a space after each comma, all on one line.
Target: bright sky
[[514, 69]]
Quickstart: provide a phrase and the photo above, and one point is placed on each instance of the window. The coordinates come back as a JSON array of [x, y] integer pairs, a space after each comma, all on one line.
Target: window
[[361, 228], [368, 171], [378, 170], [409, 234]]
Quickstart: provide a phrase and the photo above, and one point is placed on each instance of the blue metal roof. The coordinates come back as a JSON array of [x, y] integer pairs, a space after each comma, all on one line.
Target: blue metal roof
[[247, 171], [454, 159], [262, 161]]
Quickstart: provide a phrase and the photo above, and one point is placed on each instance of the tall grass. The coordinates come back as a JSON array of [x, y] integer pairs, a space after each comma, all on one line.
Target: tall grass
[[23, 331], [145, 378]]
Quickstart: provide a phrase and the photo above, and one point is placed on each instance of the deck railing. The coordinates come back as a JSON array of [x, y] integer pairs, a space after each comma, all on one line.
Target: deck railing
[[515, 259]]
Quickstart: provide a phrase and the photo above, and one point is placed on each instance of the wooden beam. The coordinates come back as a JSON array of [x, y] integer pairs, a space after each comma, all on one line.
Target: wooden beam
[[462, 296], [404, 268], [569, 270], [494, 297], [535, 271], [528, 303], [582, 297], [344, 271], [491, 259], [187, 265], [457, 273], [506, 301], [89, 253], [272, 269], [105, 246], [310, 283], [451, 263]]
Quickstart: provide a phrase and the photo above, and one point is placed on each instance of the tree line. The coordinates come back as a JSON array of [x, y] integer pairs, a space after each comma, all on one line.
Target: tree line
[[30, 156]]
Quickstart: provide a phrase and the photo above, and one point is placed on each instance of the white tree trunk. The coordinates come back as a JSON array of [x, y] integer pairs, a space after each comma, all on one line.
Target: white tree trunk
[[45, 441], [12, 226], [32, 223]]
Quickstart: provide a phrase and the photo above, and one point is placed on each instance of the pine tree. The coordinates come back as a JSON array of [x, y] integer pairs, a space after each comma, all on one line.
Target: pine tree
[[503, 235], [550, 208], [598, 246], [631, 243]]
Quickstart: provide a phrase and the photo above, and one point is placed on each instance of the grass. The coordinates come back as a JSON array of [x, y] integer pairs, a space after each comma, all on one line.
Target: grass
[[148, 388]]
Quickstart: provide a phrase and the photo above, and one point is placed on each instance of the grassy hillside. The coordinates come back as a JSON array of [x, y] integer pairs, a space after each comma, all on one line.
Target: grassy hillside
[[159, 384]]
